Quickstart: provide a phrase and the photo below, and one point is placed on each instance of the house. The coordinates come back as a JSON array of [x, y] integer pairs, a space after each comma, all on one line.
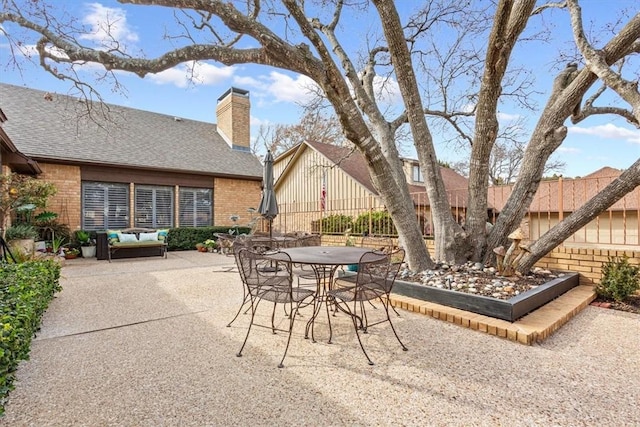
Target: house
[[313, 179], [117, 167], [555, 199]]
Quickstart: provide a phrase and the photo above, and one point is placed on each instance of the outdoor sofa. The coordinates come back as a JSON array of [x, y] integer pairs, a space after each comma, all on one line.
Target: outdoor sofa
[[135, 242]]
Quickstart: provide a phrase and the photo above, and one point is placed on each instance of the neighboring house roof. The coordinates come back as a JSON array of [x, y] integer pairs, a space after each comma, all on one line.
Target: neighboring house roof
[[575, 193], [52, 127], [353, 163]]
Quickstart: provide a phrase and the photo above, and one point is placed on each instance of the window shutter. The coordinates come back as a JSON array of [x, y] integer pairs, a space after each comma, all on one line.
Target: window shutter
[[195, 207], [104, 205], [154, 206]]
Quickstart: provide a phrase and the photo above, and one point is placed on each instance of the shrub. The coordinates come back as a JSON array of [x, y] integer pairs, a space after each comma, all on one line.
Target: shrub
[[25, 292], [381, 224], [619, 279], [336, 224], [185, 238]]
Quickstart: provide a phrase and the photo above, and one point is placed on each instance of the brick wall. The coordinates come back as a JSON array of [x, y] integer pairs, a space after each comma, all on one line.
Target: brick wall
[[231, 196], [587, 262], [67, 201], [234, 197]]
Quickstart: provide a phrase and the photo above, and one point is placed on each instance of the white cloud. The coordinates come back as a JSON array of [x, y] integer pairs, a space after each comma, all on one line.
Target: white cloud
[[106, 26], [609, 131], [247, 81], [468, 108], [254, 121], [508, 117], [569, 150], [387, 90], [192, 72], [284, 88]]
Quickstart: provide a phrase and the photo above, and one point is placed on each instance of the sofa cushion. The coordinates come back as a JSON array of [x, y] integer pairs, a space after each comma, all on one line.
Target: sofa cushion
[[112, 236], [146, 237], [162, 234], [126, 237]]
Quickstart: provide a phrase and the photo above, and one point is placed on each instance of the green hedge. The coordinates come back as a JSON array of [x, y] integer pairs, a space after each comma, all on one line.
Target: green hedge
[[185, 238], [377, 223], [25, 292]]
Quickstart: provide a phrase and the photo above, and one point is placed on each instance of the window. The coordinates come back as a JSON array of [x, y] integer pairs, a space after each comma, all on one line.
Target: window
[[195, 207], [417, 174], [104, 205], [154, 206]]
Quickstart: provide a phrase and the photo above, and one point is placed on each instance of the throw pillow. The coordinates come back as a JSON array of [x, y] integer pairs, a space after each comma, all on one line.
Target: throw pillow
[[148, 237], [162, 234], [126, 237], [112, 235]]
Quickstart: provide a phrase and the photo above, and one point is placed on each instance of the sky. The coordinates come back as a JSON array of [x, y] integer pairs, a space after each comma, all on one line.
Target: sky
[[276, 95]]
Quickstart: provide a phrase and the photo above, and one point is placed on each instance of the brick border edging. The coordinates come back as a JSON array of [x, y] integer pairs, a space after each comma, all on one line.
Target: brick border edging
[[532, 328]]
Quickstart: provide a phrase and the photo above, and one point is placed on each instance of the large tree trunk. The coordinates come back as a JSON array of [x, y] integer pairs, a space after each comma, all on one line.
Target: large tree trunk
[[449, 235], [509, 22]]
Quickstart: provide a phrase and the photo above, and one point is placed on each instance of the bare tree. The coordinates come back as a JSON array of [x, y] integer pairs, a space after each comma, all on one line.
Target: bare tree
[[313, 127], [459, 82]]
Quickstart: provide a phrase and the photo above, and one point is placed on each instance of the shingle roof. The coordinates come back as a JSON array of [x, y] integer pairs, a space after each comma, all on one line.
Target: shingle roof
[[50, 128], [575, 193]]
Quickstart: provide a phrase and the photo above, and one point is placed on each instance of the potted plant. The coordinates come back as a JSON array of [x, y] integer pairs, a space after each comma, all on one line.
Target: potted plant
[[87, 245], [21, 237], [349, 242], [211, 245], [57, 244], [201, 247], [71, 253]]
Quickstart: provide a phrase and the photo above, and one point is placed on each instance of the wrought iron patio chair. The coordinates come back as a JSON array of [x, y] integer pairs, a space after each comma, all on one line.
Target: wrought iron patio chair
[[376, 276], [305, 275], [276, 288], [382, 244], [240, 242], [261, 246]]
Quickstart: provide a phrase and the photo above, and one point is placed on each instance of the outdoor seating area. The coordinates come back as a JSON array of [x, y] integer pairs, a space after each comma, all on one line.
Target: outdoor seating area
[[137, 242], [271, 269]]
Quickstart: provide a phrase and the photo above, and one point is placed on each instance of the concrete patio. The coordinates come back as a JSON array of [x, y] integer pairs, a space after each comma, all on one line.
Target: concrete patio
[[144, 342]]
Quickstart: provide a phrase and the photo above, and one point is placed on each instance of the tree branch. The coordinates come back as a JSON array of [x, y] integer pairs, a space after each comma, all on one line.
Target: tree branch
[[596, 62]]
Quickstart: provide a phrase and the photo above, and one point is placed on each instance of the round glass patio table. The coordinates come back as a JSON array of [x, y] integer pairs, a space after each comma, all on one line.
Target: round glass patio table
[[324, 261]]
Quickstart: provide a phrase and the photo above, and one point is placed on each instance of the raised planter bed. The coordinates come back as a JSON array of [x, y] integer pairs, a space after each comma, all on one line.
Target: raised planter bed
[[510, 310]]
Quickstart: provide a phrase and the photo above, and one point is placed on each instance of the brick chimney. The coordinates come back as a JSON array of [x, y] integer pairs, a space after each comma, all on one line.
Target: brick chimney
[[232, 113]]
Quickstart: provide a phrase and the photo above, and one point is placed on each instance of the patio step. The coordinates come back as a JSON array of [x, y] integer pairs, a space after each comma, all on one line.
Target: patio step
[[534, 327]]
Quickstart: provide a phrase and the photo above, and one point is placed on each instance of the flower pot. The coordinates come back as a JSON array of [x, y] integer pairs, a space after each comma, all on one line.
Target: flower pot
[[88, 251], [71, 256], [25, 246]]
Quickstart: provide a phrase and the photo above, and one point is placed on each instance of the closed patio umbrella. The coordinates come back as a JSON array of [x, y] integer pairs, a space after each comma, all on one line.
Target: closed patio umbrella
[[268, 207]]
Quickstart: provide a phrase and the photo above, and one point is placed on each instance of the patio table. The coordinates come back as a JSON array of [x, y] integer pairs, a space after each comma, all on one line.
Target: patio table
[[324, 261]]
